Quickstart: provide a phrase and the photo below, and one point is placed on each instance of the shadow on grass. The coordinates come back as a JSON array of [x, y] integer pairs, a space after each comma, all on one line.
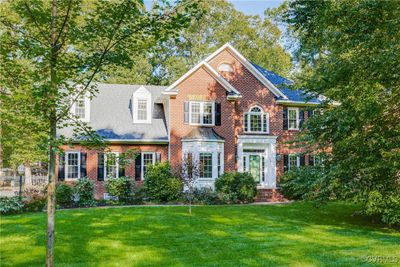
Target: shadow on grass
[[212, 236]]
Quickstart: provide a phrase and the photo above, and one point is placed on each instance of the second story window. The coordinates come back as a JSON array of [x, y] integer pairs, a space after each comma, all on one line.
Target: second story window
[[201, 113], [293, 118], [142, 109], [256, 121]]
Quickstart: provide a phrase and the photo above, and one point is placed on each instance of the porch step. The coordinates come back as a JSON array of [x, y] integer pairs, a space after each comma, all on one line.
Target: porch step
[[269, 195]]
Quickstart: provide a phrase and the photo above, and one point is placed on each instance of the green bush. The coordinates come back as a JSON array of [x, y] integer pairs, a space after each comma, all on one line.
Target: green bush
[[302, 183], [205, 195], [236, 187], [161, 185], [11, 205], [34, 198], [385, 206], [84, 189], [64, 195], [122, 188], [139, 195], [35, 204]]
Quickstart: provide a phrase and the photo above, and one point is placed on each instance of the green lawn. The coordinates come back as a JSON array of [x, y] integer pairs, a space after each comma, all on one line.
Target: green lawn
[[294, 234]]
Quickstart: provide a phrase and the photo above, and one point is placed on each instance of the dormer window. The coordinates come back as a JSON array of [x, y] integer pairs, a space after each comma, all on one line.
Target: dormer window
[[81, 107], [225, 67], [141, 106], [256, 121]]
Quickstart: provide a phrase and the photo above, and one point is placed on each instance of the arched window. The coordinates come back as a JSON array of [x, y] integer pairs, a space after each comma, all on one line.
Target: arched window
[[225, 67], [256, 121]]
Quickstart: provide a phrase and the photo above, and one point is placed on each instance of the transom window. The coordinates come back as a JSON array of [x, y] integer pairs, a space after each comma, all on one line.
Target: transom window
[[201, 113], [72, 165], [293, 118], [111, 165], [294, 161], [256, 121], [205, 160]]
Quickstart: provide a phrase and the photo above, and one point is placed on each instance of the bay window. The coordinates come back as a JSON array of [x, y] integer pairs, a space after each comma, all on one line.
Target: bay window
[[205, 160]]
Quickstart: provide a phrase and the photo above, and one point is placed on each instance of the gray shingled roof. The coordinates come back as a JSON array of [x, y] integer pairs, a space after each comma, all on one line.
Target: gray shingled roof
[[202, 133], [111, 115]]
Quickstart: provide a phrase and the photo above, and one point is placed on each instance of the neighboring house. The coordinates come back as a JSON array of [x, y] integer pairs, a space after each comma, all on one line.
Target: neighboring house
[[227, 113]]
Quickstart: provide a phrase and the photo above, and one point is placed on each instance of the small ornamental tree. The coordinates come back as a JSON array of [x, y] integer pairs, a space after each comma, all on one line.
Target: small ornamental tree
[[190, 173]]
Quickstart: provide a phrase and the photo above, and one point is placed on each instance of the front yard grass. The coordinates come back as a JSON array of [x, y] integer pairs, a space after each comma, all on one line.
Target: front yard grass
[[283, 235]]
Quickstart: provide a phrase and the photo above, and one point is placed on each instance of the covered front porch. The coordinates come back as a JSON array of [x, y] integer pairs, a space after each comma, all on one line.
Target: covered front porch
[[257, 156]]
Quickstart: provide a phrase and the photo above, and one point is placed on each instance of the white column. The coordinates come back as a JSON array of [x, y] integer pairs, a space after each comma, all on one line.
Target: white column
[[240, 156]]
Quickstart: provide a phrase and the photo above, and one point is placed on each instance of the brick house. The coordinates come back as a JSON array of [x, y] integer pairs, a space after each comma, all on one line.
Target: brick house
[[227, 113]]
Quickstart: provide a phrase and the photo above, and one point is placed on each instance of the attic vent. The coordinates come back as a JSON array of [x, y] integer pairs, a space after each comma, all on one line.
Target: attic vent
[[225, 67]]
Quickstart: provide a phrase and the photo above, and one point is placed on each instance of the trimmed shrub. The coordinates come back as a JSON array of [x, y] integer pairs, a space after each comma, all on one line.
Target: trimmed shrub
[[206, 195], [139, 195], [122, 188], [161, 185], [84, 190], [302, 183], [64, 195], [11, 205], [236, 187]]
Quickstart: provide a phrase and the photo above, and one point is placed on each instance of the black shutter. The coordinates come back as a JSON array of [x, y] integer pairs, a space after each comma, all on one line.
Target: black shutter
[[138, 167], [301, 118], [100, 167], [158, 157], [83, 165], [302, 160], [186, 112], [285, 162], [121, 171], [311, 160], [309, 113], [285, 118], [61, 167], [218, 114]]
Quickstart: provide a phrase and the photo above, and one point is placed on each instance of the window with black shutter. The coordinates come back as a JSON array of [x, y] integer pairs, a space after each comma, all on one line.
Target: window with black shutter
[[100, 167], [301, 118], [83, 164], [61, 167], [285, 162], [138, 167], [186, 112], [218, 114], [285, 118]]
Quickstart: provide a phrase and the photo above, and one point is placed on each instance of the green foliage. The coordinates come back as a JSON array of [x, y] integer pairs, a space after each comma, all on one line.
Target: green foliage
[[84, 189], [34, 205], [206, 196], [388, 206], [303, 183], [64, 195], [11, 205], [350, 52], [236, 187], [122, 188], [161, 185]]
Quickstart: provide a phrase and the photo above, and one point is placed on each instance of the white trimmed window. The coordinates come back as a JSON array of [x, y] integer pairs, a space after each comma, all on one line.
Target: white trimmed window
[[205, 161], [141, 106], [201, 113], [72, 165], [81, 107], [256, 121], [111, 165], [148, 158], [293, 118], [293, 162]]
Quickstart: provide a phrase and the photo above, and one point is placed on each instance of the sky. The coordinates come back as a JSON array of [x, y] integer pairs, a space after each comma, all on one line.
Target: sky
[[248, 7]]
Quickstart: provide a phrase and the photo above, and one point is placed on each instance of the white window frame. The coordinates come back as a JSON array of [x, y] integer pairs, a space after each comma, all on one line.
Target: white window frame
[[66, 165], [87, 108], [212, 160], [140, 95], [297, 161], [105, 164], [202, 104], [142, 161], [248, 115], [297, 118]]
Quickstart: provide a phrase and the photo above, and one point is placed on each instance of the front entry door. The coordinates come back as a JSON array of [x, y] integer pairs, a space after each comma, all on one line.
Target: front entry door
[[255, 167]]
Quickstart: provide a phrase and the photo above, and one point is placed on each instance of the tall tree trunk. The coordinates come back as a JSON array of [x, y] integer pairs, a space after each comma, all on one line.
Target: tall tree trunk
[[51, 198], [28, 174]]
